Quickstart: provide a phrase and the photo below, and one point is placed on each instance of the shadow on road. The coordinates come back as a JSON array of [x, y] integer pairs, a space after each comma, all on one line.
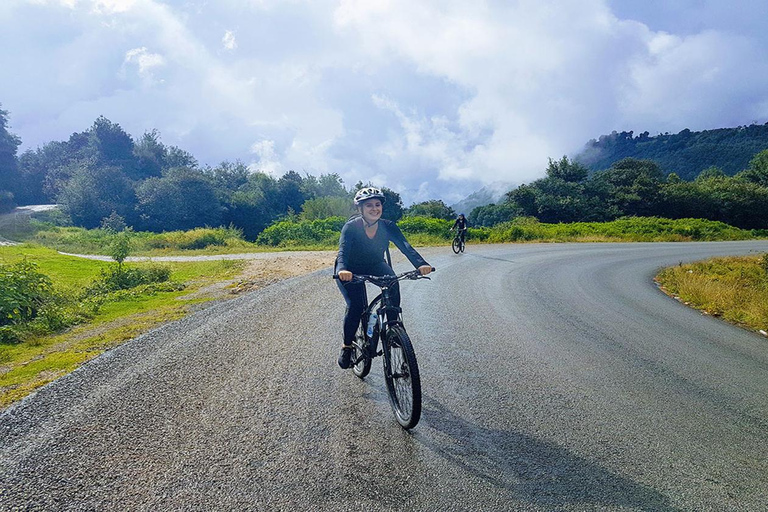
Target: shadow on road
[[535, 471]]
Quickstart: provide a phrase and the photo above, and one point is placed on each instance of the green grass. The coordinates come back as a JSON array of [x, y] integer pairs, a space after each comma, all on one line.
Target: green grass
[[97, 241], [40, 359], [294, 234], [65, 271], [733, 288], [631, 229]]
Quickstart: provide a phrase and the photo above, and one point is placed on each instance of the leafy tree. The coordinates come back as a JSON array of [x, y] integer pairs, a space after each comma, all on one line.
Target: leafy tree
[[94, 192], [114, 223], [34, 171], [150, 155], [175, 157], [255, 205], [525, 198], [631, 186], [711, 173], [324, 186], [757, 172], [57, 178], [393, 207], [9, 143], [567, 170], [290, 191], [325, 207], [434, 208], [560, 201], [227, 178], [112, 145], [120, 247], [492, 214], [182, 199]]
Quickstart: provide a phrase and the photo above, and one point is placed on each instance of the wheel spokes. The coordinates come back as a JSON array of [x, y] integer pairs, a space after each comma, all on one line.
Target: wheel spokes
[[401, 378]]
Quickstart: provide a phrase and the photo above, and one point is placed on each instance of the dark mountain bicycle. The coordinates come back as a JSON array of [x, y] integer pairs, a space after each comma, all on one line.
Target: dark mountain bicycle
[[458, 243], [401, 371]]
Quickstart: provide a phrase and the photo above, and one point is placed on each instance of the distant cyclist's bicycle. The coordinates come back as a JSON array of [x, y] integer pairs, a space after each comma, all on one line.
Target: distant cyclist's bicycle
[[401, 372], [458, 243]]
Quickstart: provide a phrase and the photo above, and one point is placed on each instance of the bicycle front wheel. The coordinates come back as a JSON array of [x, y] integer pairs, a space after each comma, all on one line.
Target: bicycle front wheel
[[456, 245], [401, 373]]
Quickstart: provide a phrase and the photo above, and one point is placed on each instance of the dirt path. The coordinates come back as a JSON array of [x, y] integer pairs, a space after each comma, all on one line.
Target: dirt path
[[262, 269]]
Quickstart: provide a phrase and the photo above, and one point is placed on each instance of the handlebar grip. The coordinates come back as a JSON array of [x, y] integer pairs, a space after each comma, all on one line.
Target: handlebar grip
[[335, 276], [433, 269]]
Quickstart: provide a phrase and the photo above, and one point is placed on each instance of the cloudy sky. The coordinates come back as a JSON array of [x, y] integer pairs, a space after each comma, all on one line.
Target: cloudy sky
[[431, 98]]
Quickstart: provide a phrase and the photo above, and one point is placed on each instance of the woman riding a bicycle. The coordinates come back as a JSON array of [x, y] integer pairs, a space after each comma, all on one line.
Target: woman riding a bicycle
[[362, 245]]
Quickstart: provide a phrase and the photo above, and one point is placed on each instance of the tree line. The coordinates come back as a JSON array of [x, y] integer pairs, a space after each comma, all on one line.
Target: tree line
[[636, 187], [102, 176]]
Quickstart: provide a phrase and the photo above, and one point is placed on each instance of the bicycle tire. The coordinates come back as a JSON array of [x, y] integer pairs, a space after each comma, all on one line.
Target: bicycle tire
[[359, 351], [401, 372], [463, 245], [456, 246]]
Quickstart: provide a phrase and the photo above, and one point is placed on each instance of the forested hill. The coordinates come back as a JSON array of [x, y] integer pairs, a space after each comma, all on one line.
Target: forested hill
[[686, 153]]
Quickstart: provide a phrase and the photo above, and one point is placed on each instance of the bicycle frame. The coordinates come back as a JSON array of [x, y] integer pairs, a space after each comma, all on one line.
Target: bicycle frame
[[381, 304]]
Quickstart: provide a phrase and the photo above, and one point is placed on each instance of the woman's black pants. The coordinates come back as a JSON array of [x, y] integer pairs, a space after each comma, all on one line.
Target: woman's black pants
[[356, 299]]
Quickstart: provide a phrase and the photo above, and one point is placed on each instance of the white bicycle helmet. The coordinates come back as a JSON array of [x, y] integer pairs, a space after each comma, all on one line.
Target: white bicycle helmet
[[368, 193]]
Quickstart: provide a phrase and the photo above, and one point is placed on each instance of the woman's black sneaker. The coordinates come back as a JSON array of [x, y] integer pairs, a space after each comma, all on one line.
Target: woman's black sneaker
[[345, 357]]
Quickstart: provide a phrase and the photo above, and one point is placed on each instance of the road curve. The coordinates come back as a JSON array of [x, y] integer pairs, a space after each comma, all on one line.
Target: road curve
[[556, 377]]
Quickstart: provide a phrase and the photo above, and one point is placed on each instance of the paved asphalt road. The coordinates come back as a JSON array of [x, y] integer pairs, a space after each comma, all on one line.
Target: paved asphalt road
[[556, 377]]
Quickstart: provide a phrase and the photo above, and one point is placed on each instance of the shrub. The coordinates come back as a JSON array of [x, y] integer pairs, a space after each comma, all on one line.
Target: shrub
[[120, 247], [23, 290], [114, 222], [306, 232], [116, 278], [426, 225], [198, 238]]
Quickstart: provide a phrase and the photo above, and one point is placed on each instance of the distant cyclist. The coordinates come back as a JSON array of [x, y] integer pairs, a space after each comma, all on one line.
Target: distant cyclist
[[461, 226], [362, 245]]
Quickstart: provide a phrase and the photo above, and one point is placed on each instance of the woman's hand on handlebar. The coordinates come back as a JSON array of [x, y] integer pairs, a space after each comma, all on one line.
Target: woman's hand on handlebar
[[345, 275], [423, 270]]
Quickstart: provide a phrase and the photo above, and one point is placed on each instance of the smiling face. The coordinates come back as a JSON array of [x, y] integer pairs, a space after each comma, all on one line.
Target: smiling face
[[371, 210]]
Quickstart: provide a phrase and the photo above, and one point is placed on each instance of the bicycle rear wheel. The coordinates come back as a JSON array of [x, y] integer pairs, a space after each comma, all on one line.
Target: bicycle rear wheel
[[463, 244], [456, 245], [401, 373], [360, 354]]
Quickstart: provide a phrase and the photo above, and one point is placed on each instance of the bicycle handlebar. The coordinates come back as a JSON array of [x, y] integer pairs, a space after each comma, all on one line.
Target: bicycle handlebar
[[384, 280]]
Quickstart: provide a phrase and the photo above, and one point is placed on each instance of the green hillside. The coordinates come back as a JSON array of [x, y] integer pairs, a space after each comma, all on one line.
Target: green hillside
[[686, 153]]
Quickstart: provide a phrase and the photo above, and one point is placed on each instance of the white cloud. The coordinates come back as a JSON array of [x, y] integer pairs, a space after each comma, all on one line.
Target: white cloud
[[229, 41], [145, 60], [114, 6], [267, 160], [430, 97]]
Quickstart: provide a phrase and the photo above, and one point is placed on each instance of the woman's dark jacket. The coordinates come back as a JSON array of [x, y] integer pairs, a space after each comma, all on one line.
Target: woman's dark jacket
[[358, 253]]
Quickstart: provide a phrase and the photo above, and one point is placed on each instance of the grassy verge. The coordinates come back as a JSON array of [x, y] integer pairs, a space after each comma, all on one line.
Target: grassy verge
[[733, 288], [41, 358], [293, 234]]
